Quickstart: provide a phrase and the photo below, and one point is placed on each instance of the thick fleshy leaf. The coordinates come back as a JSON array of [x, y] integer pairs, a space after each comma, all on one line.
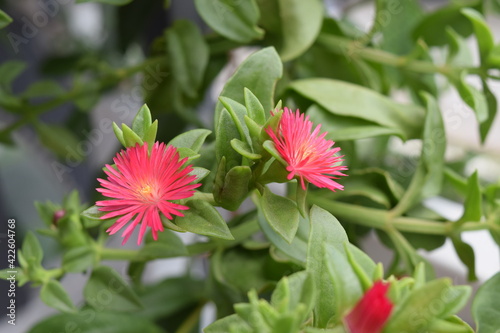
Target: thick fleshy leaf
[[192, 139], [93, 213], [130, 137], [473, 201], [100, 322], [297, 250], [259, 73], [142, 121], [54, 295], [231, 192], [106, 290], [486, 306], [202, 218], [188, 54], [233, 19], [281, 213], [255, 109], [225, 132], [473, 98], [325, 230], [349, 100], [232, 323], [466, 254]]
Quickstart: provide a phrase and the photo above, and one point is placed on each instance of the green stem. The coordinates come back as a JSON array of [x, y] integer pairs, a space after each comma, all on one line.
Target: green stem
[[29, 112], [118, 254], [353, 49], [382, 219]]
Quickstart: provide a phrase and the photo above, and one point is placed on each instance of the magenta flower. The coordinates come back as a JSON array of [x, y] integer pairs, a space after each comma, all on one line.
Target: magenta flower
[[371, 313], [309, 156], [142, 186]]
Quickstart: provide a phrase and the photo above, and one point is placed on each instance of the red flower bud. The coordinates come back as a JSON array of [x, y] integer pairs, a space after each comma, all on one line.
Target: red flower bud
[[371, 312], [58, 214]]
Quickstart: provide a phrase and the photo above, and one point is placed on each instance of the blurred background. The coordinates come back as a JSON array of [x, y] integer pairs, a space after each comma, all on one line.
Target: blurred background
[[51, 35]]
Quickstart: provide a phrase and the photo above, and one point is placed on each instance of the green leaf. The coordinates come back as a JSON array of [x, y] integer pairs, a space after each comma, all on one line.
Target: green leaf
[[78, 259], [142, 121], [492, 104], [255, 109], [234, 189], [233, 19], [430, 28], [93, 213], [150, 135], [108, 2], [297, 24], [417, 311], [281, 213], [297, 250], [5, 19], [60, 140], [325, 229], [32, 250], [244, 149], [44, 88], [428, 178], [483, 33], [472, 97], [192, 139], [224, 133], [90, 321], [486, 306], [349, 100], [200, 173], [119, 134], [346, 286], [232, 323], [202, 218], [54, 295], [168, 245], [396, 20], [473, 201], [342, 128], [466, 254], [130, 137], [9, 71], [238, 113], [259, 73], [188, 53], [106, 290], [459, 51]]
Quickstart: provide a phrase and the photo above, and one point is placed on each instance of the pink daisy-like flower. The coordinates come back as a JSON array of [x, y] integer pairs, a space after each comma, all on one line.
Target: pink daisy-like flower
[[143, 185], [308, 155], [372, 311]]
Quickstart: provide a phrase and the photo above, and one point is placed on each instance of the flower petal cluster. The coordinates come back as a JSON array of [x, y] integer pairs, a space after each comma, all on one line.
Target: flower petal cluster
[[142, 186], [309, 156], [371, 313]]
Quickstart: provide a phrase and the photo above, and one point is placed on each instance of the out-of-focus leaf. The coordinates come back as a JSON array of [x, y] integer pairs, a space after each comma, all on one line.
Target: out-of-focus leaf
[[120, 296], [54, 295], [459, 52], [349, 100], [188, 54], [60, 140], [466, 254], [9, 71], [101, 322], [5, 19], [483, 33], [234, 19], [473, 201], [430, 28], [486, 306], [44, 88], [259, 73], [491, 102]]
